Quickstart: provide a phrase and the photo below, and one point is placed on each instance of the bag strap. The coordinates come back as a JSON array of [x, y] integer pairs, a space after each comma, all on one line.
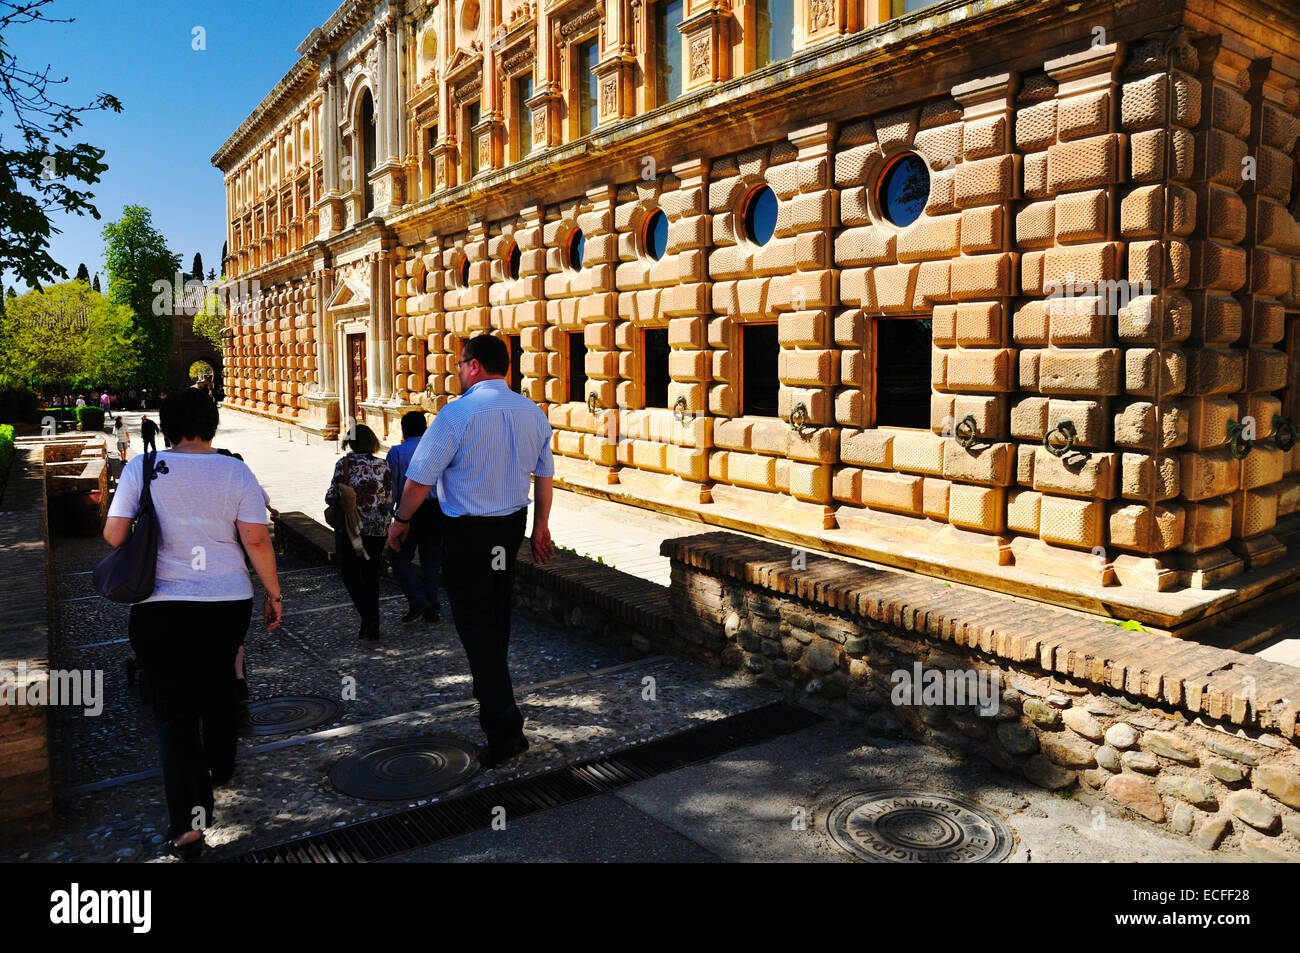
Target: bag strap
[[146, 478]]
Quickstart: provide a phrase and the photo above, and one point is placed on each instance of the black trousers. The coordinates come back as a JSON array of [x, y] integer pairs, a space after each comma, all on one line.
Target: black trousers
[[478, 572], [149, 442], [361, 576], [187, 650]]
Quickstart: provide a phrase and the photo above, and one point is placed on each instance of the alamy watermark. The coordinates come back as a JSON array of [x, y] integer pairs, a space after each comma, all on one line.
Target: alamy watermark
[[75, 688], [953, 687]]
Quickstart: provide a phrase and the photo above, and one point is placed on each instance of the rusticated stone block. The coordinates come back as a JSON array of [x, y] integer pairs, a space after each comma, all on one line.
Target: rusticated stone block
[[1208, 524], [1091, 476], [1071, 522], [980, 370], [891, 491], [1143, 529], [1216, 266], [1022, 511], [983, 181], [978, 508], [1254, 511], [1092, 371], [1143, 476], [866, 448], [1083, 164], [1149, 371], [1219, 158], [1214, 371], [1208, 473], [1036, 126]]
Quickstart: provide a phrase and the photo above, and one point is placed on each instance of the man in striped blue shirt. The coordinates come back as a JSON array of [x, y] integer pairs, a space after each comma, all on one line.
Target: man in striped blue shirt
[[480, 452]]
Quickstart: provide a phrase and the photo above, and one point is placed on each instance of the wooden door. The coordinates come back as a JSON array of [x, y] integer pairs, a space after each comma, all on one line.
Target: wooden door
[[356, 371]]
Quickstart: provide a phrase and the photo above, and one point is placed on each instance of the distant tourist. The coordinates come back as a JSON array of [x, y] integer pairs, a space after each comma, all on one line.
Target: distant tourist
[[425, 536], [187, 633], [148, 431], [362, 489], [105, 401], [123, 437], [81, 401], [484, 447]]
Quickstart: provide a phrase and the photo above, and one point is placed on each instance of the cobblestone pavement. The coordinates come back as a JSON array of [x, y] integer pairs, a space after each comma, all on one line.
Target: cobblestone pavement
[[580, 700]]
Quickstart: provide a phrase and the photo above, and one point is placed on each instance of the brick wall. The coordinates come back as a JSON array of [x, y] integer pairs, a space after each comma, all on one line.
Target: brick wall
[[1199, 740]]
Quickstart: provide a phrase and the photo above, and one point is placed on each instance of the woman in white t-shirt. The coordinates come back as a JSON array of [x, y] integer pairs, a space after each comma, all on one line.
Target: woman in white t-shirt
[[123, 436], [186, 634]]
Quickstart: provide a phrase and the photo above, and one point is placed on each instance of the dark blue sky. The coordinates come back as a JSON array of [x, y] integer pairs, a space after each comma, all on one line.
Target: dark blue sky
[[179, 103]]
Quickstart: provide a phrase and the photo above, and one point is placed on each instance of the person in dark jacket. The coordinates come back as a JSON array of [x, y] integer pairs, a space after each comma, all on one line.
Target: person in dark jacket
[[148, 431]]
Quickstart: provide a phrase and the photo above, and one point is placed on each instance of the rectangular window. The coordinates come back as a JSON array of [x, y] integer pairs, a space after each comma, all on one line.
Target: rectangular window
[[902, 347], [516, 356], [430, 142], [523, 117], [586, 58], [759, 380], [668, 51], [774, 31], [471, 142], [654, 356], [577, 367]]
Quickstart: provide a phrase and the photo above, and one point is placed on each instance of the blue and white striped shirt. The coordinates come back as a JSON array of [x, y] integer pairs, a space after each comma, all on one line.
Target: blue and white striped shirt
[[481, 449]]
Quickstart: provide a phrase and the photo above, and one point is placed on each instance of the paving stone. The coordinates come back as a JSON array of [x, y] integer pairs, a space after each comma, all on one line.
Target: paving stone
[[1043, 773], [1211, 831], [1121, 736], [1280, 781], [1068, 751], [1188, 789], [1138, 795], [1140, 761], [1108, 758], [1226, 771], [1082, 723], [1253, 809], [1183, 818], [1228, 750], [1017, 738], [1169, 746], [1041, 713]]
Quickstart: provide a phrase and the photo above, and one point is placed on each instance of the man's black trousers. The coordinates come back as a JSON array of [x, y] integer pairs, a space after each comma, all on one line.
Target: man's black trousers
[[478, 572]]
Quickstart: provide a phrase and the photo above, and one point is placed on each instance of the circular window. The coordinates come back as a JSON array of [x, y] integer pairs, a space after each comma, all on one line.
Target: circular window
[[513, 259], [462, 273], [654, 237], [574, 249], [760, 215], [904, 189]]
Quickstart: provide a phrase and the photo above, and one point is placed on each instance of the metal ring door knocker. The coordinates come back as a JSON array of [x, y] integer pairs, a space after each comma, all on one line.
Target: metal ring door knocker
[[1238, 445], [680, 410], [1283, 432], [1066, 429], [965, 432], [799, 418], [593, 403]]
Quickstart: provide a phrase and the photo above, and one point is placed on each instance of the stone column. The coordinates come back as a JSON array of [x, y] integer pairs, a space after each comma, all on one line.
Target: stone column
[[388, 57], [373, 357], [383, 291]]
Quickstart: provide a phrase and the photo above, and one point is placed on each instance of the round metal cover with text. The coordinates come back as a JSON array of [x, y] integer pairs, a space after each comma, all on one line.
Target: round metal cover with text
[[284, 713], [902, 826], [397, 771]]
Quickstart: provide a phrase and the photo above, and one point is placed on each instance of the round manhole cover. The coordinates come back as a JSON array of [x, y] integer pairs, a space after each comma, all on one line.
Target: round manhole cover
[[904, 826], [275, 716], [406, 769]]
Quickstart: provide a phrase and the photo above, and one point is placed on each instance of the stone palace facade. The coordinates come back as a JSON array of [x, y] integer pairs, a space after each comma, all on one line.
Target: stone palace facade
[[1002, 291]]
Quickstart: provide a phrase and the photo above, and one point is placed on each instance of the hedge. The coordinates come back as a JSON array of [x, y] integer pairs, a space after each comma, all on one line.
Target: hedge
[[90, 418]]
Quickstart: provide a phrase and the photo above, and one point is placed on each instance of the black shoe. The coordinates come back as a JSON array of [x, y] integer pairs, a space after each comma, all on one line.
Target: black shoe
[[369, 632], [432, 615], [415, 612], [186, 851], [492, 756]]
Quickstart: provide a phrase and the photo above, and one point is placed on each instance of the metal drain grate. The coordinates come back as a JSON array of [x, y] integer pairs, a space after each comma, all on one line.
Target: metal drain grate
[[384, 836], [284, 713]]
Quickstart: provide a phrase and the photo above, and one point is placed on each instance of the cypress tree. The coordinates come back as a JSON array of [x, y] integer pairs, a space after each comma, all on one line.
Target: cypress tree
[[196, 270], [95, 283], [83, 274]]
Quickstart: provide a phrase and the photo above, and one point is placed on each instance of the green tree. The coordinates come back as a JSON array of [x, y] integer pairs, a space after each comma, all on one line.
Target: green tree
[[140, 267], [39, 169], [210, 319], [68, 337], [196, 268], [95, 284], [83, 273]]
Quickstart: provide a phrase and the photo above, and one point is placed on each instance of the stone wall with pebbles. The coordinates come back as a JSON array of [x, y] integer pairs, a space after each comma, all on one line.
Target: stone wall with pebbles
[[1200, 740]]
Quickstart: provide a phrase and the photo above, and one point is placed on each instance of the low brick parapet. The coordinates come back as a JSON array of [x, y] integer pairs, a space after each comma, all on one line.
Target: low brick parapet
[[25, 783], [1201, 739]]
